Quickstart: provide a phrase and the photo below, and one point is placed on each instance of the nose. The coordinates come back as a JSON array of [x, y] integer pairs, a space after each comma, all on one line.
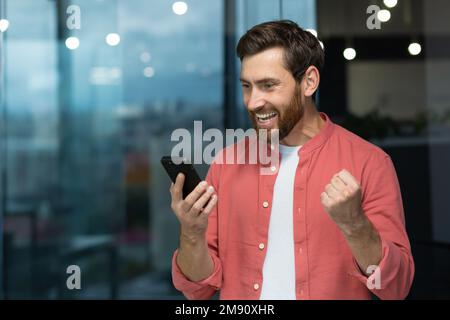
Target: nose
[[256, 101]]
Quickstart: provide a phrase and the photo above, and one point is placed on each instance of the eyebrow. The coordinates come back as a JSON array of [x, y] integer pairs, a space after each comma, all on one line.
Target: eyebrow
[[265, 80]]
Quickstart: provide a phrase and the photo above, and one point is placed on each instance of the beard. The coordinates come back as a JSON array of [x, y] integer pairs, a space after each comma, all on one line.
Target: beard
[[287, 119]]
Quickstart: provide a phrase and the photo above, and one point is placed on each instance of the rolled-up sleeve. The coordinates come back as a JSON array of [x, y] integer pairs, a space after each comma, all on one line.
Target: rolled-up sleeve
[[197, 290], [382, 203], [206, 288]]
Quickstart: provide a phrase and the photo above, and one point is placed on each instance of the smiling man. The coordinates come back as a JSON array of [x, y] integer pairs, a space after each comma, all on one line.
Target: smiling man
[[328, 224]]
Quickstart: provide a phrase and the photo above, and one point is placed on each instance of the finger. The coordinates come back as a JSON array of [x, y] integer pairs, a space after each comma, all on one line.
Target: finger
[[200, 203], [195, 195], [177, 188], [348, 179], [338, 183], [325, 199], [212, 202], [332, 192]]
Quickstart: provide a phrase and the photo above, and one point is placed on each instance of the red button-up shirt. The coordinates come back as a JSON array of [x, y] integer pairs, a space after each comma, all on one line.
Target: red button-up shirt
[[238, 226]]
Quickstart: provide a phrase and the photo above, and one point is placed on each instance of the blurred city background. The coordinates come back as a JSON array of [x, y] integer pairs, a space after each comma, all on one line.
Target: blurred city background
[[91, 90]]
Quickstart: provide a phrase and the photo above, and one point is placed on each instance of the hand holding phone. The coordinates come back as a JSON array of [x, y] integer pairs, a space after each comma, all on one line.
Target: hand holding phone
[[192, 198], [192, 212]]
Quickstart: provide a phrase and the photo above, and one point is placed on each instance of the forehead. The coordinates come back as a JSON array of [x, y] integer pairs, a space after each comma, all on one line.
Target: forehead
[[268, 63]]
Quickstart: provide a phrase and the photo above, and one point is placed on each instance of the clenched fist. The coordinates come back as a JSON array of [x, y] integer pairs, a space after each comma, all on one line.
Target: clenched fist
[[342, 201]]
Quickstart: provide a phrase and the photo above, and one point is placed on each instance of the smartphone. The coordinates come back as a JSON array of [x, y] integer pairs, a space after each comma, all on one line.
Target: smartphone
[[176, 165]]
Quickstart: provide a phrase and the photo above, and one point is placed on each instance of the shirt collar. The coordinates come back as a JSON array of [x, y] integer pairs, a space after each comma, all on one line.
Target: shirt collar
[[321, 137]]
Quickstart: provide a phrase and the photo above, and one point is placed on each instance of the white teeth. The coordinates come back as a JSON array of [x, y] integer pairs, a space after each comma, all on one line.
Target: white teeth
[[266, 116]]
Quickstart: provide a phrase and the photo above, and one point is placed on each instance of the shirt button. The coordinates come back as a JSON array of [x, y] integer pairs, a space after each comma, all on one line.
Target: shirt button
[[301, 292], [298, 210], [256, 286], [265, 204], [261, 246], [300, 250], [273, 168]]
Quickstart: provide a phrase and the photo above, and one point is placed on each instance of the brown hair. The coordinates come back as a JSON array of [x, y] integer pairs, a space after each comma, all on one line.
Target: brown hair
[[301, 48]]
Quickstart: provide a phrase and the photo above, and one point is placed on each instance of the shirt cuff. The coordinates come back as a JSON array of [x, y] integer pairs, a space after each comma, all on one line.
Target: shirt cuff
[[379, 274], [182, 283]]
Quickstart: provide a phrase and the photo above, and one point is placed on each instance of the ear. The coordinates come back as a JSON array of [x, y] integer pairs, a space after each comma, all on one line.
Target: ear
[[311, 81]]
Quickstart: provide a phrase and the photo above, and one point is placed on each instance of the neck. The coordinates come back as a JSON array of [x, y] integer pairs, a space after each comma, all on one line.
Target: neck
[[308, 126]]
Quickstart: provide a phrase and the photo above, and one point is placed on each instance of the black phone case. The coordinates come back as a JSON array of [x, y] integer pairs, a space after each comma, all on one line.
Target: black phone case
[[191, 180]]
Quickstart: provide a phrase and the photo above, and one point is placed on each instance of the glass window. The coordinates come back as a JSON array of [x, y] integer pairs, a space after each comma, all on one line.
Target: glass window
[[91, 94]]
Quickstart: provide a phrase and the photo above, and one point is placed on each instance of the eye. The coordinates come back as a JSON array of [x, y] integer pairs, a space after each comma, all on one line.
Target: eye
[[268, 85], [245, 86]]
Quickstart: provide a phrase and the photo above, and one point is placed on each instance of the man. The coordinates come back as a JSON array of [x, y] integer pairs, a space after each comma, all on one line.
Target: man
[[328, 224]]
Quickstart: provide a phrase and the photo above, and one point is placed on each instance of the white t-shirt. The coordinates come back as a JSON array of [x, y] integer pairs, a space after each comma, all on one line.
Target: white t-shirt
[[279, 264]]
